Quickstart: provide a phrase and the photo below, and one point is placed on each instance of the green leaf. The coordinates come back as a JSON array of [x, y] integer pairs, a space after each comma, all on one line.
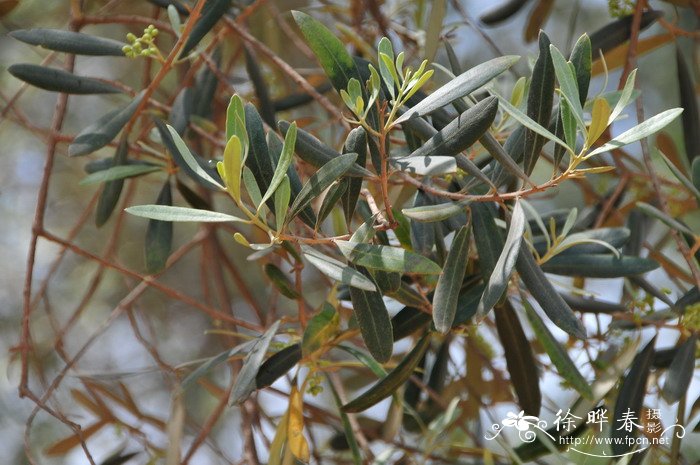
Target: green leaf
[[387, 258], [159, 235], [245, 382], [599, 120], [373, 320], [283, 164], [102, 131], [109, 197], [501, 11], [58, 80], [539, 103], [236, 120], [462, 85], [231, 168], [598, 266], [679, 174], [251, 186], [212, 12], [391, 382], [619, 31], [645, 129], [281, 281], [439, 212], [630, 398], [462, 132], [545, 294], [487, 236], [433, 31], [696, 172], [519, 359], [568, 84], [118, 172], [672, 223], [500, 276], [336, 270], [625, 97], [680, 373], [691, 113], [320, 181], [260, 85], [69, 42], [581, 57], [335, 192], [347, 427], [321, 329], [450, 281], [215, 361], [529, 123], [282, 196], [277, 365], [557, 354], [356, 142], [329, 50], [168, 213], [189, 159]]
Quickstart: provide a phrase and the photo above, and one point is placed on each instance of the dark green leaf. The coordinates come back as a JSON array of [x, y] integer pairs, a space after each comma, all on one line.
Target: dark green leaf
[[109, 197], [329, 50], [373, 320], [680, 373], [118, 172], [519, 359], [320, 181], [181, 111], [205, 87], [316, 153], [267, 108], [102, 131], [58, 80], [487, 236], [501, 11], [350, 440], [557, 354], [193, 198], [281, 281], [462, 85], [581, 304], [408, 321], [618, 32], [539, 103], [630, 398], [598, 266], [277, 365], [212, 12], [691, 114], [159, 235], [333, 196], [581, 58], [246, 380], [391, 382], [283, 163], [500, 276], [545, 294], [387, 282], [616, 237], [387, 258], [422, 235], [462, 132], [450, 281], [356, 142], [69, 41], [467, 304], [337, 270]]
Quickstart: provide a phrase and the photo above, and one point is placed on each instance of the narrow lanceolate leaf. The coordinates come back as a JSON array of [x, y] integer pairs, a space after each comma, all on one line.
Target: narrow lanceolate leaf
[[567, 83], [487, 236], [545, 294], [215, 361], [463, 132], [672, 223], [519, 359], [69, 42], [277, 366], [168, 213], [373, 320], [337, 270], [680, 373], [282, 196], [58, 80], [316, 153], [450, 282], [109, 197], [500, 276], [102, 131], [557, 354], [320, 181], [598, 266], [331, 199], [691, 114], [347, 427], [283, 163], [439, 212], [281, 281], [159, 235], [599, 120], [212, 12], [356, 142], [462, 85], [232, 167], [257, 77], [245, 382], [581, 58], [642, 130], [189, 159], [329, 50], [391, 382], [539, 103], [530, 124], [619, 31], [387, 258], [321, 329], [630, 398], [118, 172], [695, 175], [236, 120], [501, 11]]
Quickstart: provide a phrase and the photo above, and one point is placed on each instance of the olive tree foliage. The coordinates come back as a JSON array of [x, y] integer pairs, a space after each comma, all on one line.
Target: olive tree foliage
[[375, 261]]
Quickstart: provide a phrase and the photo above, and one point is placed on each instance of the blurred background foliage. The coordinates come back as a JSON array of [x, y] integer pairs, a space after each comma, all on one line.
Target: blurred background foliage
[[118, 359]]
